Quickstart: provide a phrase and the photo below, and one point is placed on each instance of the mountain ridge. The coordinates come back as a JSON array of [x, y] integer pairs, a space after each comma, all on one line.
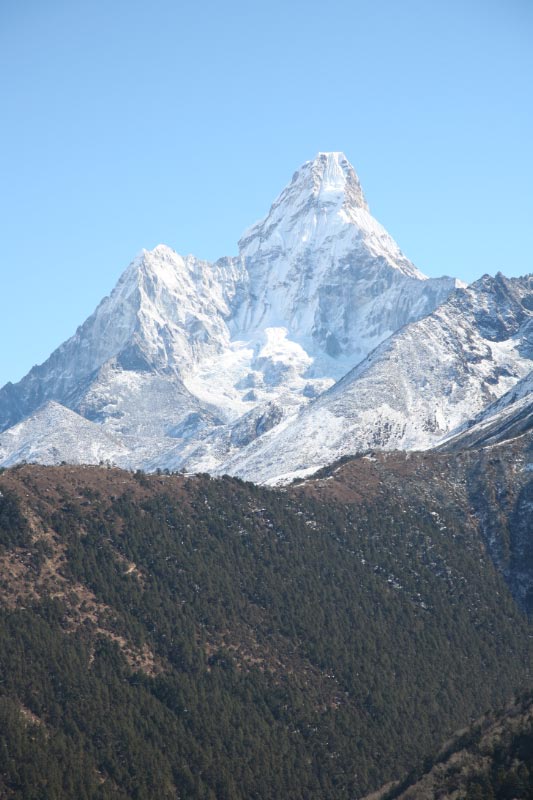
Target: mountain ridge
[[414, 389], [182, 349]]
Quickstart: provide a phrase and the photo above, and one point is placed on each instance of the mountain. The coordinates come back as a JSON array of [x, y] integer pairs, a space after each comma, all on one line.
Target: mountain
[[509, 416], [164, 635], [414, 389], [320, 265], [187, 361], [54, 434]]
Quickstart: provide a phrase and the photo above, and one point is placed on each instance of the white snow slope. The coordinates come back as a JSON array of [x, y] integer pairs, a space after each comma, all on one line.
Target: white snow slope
[[507, 418], [187, 362], [418, 386], [54, 434]]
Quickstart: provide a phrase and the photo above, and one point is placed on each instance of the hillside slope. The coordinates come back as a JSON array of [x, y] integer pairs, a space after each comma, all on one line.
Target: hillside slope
[[490, 760], [207, 638]]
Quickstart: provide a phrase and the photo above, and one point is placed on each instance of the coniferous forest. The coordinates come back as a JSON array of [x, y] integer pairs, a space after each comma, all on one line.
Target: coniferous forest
[[164, 636]]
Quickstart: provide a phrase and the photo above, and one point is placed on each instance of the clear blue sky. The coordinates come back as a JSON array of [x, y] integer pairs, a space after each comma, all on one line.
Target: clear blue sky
[[127, 123]]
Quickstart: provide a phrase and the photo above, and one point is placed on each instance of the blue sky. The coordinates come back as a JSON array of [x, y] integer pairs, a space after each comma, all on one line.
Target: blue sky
[[129, 123]]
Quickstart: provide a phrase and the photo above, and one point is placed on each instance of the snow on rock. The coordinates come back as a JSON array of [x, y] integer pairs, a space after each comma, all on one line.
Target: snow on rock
[[507, 418], [190, 362], [320, 265], [414, 389], [55, 434]]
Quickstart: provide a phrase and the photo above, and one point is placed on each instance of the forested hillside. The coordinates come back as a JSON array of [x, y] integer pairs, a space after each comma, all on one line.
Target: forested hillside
[[491, 760], [168, 636]]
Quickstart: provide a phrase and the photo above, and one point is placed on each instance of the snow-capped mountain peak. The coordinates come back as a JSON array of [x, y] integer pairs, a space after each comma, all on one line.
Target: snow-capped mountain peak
[[192, 359], [321, 189], [320, 265], [171, 307], [328, 179], [323, 201], [335, 181]]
